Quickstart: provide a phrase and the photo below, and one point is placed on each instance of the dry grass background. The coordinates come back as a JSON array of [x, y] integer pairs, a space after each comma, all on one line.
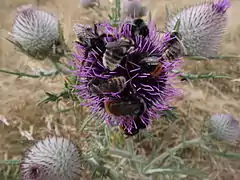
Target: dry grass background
[[18, 97]]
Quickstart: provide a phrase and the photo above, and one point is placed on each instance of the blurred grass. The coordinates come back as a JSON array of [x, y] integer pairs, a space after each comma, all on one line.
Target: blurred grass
[[201, 98]]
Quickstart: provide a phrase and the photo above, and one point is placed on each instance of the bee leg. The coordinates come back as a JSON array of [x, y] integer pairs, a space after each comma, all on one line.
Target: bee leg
[[86, 52], [95, 29]]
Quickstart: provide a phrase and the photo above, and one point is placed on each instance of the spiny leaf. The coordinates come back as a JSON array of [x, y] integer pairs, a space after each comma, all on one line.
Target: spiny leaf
[[191, 172], [177, 26]]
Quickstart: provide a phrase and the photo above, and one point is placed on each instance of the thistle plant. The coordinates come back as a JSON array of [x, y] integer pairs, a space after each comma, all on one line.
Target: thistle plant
[[143, 93], [202, 27]]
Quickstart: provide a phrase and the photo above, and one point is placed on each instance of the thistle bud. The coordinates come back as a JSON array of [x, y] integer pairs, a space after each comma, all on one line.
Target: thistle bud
[[89, 3], [35, 32], [225, 127], [132, 8], [201, 27], [53, 158]]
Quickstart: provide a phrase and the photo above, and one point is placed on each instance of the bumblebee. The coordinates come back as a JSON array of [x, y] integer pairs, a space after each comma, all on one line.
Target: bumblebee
[[112, 85], [139, 28], [174, 47], [90, 38], [116, 51], [153, 65], [125, 108]]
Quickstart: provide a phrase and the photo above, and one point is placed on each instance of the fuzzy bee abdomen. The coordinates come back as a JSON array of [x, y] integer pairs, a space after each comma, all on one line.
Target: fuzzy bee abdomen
[[117, 84], [123, 108], [113, 57]]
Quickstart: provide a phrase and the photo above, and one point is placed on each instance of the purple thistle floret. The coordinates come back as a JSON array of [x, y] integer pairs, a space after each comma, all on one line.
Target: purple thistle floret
[[221, 6], [156, 92]]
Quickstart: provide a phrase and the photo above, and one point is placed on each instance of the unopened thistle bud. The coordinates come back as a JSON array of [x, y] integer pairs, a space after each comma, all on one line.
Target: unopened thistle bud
[[225, 127], [89, 3], [202, 27], [53, 158], [132, 8], [35, 32]]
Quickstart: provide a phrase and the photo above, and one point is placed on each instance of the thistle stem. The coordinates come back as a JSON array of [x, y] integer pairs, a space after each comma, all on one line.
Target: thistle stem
[[189, 76], [173, 150], [116, 12], [22, 74], [203, 76], [201, 58], [9, 162]]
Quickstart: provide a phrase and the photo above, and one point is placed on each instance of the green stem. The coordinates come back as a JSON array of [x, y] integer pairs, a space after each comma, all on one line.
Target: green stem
[[9, 162], [221, 154], [116, 13], [203, 76], [118, 9], [173, 150], [22, 74], [224, 57], [200, 76]]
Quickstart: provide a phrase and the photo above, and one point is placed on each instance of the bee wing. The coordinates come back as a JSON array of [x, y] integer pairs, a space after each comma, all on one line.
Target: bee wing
[[111, 45], [120, 108], [133, 107], [153, 60], [94, 86], [178, 36], [183, 49], [117, 44]]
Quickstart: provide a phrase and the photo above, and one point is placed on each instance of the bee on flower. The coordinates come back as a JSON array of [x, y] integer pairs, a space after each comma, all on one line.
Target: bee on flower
[[128, 57]]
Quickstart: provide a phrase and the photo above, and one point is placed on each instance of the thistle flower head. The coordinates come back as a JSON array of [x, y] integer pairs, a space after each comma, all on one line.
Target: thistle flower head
[[202, 27], [35, 31], [89, 3], [142, 94], [132, 8], [53, 158], [225, 127]]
